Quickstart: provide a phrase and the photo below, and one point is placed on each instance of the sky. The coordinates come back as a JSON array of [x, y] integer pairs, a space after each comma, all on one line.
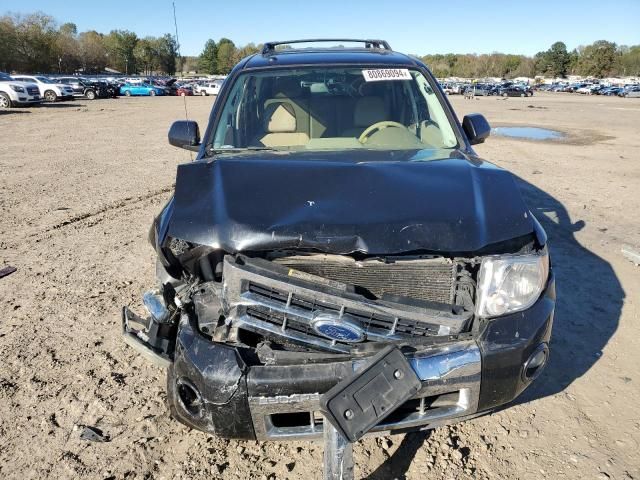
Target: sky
[[410, 26]]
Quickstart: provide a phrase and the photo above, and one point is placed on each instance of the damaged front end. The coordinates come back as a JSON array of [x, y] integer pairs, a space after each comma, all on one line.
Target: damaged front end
[[255, 327]]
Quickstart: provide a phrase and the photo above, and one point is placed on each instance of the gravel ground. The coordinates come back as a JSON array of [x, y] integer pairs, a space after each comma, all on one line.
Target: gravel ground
[[79, 184]]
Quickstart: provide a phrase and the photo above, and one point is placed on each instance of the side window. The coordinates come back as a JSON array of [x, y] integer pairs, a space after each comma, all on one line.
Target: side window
[[443, 135], [227, 130]]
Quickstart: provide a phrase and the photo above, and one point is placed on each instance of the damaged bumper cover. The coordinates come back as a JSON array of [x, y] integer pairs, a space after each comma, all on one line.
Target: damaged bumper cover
[[238, 392]]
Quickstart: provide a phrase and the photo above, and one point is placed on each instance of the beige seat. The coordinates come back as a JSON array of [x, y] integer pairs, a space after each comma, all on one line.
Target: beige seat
[[280, 127], [367, 111]]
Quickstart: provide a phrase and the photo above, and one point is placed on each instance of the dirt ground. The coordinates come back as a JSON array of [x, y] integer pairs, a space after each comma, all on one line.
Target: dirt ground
[[79, 184]]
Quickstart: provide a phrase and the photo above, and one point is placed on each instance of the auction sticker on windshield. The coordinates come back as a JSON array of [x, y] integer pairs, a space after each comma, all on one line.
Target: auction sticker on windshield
[[381, 74]]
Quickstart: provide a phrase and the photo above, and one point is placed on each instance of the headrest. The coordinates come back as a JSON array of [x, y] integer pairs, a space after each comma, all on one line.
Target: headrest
[[369, 110], [286, 87], [280, 118]]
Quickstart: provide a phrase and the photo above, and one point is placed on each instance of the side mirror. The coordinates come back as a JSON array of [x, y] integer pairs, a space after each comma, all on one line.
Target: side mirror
[[476, 127], [185, 134]]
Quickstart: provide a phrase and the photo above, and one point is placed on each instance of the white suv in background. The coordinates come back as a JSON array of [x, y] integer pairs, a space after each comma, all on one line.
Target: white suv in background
[[14, 93], [50, 90]]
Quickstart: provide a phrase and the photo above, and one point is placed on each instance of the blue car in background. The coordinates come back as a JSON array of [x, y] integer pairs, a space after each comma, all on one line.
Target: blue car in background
[[141, 89]]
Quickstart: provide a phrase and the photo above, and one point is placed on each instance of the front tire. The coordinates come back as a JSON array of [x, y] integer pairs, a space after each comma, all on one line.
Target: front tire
[[50, 96], [91, 95], [203, 93], [127, 93], [5, 101], [152, 93], [505, 94]]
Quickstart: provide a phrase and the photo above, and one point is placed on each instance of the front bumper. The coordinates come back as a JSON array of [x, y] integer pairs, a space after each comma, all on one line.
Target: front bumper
[[212, 388], [28, 100]]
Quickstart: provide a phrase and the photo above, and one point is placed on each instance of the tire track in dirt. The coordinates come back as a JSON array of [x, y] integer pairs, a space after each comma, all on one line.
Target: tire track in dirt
[[111, 206]]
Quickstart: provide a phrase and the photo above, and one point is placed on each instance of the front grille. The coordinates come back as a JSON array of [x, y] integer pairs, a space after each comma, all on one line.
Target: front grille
[[291, 306], [33, 91], [374, 324], [430, 279]]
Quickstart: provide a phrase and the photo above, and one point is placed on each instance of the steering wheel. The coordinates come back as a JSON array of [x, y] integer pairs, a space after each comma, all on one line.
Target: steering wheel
[[364, 137]]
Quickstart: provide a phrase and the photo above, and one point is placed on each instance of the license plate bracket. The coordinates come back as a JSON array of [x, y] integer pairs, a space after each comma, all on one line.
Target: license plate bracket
[[364, 399]]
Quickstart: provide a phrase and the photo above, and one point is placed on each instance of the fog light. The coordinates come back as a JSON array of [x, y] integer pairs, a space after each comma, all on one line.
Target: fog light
[[189, 396], [535, 363]]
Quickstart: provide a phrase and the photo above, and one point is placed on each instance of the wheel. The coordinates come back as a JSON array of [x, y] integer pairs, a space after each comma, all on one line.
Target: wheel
[[182, 94], [203, 93], [152, 93], [505, 94], [127, 93], [90, 94], [5, 101], [50, 96]]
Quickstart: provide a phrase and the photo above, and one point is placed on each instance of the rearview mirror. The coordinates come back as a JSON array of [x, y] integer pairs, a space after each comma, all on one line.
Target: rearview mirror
[[185, 134], [476, 127]]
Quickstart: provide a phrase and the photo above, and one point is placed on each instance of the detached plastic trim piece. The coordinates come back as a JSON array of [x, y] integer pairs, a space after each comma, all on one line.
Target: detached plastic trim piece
[[133, 339], [358, 403]]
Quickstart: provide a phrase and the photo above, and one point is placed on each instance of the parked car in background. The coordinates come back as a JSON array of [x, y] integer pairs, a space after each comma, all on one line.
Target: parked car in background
[[141, 89], [50, 90], [569, 88], [209, 88], [633, 92], [512, 91], [584, 89], [168, 85], [453, 88], [558, 87], [14, 93], [481, 89], [528, 90], [111, 89], [81, 87], [611, 91], [184, 91]]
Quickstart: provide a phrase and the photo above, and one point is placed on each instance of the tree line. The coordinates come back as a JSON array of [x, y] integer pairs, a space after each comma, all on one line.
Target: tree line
[[600, 59], [36, 43]]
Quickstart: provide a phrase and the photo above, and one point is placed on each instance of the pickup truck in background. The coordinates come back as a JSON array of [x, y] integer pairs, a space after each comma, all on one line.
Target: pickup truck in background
[[209, 88]]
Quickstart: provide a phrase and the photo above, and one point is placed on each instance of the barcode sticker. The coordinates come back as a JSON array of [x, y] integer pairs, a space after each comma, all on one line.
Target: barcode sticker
[[382, 74]]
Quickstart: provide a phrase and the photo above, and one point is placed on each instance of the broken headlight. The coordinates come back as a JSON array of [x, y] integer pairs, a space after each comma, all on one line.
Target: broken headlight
[[510, 283]]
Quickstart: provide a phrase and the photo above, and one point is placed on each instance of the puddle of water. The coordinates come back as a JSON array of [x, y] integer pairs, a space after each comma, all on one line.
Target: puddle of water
[[528, 133]]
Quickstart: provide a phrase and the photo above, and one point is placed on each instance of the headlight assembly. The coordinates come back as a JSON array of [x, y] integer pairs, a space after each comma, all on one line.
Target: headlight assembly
[[510, 283], [17, 88]]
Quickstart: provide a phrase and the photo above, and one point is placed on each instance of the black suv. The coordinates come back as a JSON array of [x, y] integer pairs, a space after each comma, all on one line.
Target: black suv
[[85, 88], [338, 252]]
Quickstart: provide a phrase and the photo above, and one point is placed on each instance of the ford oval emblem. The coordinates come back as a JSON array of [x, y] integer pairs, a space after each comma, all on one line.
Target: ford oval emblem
[[339, 329]]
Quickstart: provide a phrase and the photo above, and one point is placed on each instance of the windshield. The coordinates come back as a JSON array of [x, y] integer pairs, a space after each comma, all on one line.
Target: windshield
[[333, 109], [45, 80]]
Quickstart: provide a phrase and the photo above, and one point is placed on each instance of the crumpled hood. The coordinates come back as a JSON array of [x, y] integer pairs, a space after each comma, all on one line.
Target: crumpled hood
[[323, 202]]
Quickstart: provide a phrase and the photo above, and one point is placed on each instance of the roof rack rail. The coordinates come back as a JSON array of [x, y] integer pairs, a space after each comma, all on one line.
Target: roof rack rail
[[370, 43]]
